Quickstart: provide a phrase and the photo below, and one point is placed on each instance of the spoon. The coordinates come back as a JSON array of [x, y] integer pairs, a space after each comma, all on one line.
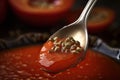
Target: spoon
[[55, 62], [77, 29]]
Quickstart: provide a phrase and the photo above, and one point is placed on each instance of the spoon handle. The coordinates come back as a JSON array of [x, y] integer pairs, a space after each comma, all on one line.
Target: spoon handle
[[86, 10], [99, 45]]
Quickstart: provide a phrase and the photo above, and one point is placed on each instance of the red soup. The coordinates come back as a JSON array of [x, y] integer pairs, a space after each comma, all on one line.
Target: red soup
[[23, 64]]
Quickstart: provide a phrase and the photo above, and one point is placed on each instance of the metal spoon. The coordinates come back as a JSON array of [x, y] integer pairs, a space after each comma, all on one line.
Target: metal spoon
[[77, 29]]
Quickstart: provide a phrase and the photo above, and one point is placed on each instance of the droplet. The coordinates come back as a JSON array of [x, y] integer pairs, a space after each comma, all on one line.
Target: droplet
[[20, 72], [40, 78], [24, 65], [79, 76], [81, 67], [68, 72], [85, 77], [86, 64], [2, 66]]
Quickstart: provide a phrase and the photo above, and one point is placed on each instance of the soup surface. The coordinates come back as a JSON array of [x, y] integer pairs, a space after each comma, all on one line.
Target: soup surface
[[23, 64]]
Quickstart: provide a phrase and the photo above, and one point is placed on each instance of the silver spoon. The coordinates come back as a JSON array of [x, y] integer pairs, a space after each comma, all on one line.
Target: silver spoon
[[77, 29]]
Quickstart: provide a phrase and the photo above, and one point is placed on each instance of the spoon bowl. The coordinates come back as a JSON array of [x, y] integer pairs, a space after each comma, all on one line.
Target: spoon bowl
[[55, 55], [77, 29]]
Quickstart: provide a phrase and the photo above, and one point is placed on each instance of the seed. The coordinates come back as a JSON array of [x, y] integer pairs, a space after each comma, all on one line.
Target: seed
[[63, 49], [72, 40], [66, 50], [79, 49], [77, 42], [74, 51], [75, 45], [63, 44], [55, 38], [51, 39], [56, 48], [72, 47], [67, 39], [57, 42], [66, 45]]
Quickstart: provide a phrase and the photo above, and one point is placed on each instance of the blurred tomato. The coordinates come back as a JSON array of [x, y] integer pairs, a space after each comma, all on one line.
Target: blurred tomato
[[2, 10], [41, 12], [99, 19]]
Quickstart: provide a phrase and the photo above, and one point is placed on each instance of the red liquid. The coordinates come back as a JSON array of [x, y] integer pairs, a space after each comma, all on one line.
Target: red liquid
[[23, 64], [55, 62]]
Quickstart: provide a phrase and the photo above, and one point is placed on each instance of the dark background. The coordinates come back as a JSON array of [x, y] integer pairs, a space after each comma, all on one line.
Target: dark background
[[12, 28]]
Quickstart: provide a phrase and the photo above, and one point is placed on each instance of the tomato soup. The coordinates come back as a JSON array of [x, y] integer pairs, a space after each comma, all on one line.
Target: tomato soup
[[23, 64]]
